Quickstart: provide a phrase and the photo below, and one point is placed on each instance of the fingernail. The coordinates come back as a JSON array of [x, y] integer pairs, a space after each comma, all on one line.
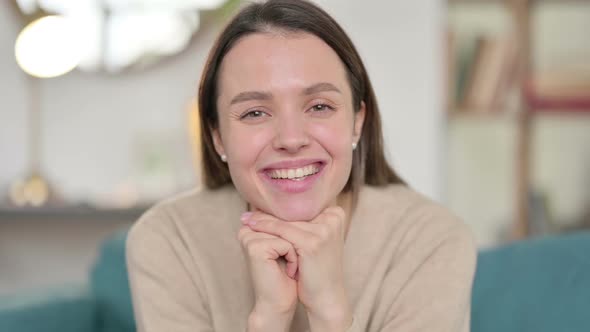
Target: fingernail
[[245, 216], [251, 222]]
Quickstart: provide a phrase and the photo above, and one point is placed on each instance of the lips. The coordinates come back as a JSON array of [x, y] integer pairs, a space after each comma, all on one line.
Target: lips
[[294, 173], [293, 176], [293, 163]]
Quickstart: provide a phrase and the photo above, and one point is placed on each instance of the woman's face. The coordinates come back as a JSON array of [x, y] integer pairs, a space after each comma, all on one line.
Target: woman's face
[[286, 123]]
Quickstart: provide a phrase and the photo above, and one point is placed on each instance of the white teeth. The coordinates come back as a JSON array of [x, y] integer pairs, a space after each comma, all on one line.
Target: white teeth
[[294, 173], [299, 172]]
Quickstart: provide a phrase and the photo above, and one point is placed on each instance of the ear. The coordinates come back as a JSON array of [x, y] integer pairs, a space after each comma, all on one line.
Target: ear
[[216, 136], [359, 119]]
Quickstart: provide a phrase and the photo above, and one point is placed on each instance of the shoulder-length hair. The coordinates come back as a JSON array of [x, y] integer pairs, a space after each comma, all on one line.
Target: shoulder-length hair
[[369, 165]]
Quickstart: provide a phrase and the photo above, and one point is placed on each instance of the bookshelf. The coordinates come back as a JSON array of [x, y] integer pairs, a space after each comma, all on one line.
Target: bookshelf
[[525, 112]]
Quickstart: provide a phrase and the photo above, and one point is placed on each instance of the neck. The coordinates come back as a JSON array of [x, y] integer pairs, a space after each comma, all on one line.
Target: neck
[[344, 200]]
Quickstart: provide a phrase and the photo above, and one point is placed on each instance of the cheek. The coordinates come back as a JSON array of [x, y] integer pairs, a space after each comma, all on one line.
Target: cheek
[[336, 138], [243, 146]]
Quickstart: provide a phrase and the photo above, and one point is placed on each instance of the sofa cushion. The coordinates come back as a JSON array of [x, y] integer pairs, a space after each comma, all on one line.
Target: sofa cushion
[[535, 285], [66, 309], [111, 286]]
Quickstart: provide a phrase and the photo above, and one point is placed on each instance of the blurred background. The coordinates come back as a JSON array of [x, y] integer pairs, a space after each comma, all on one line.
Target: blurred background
[[486, 109]]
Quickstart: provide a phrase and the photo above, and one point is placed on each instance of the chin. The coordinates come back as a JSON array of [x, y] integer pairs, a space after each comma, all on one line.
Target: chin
[[296, 210]]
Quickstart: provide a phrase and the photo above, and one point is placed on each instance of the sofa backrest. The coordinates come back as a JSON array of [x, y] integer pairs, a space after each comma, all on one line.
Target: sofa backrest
[[110, 285], [536, 285]]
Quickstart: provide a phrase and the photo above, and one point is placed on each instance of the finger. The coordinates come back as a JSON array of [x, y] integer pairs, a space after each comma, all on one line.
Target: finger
[[263, 249], [303, 225], [333, 217], [256, 215], [296, 235], [285, 249], [329, 215], [243, 233], [277, 247], [253, 209], [247, 235], [292, 262]]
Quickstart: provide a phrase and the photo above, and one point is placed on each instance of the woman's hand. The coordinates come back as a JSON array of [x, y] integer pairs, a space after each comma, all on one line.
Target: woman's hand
[[274, 285], [319, 245]]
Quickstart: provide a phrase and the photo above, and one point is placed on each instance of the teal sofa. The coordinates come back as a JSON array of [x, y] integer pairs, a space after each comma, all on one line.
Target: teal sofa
[[538, 285], [103, 305]]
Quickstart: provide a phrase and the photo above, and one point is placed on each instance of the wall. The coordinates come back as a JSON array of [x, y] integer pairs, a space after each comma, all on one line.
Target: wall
[[105, 114]]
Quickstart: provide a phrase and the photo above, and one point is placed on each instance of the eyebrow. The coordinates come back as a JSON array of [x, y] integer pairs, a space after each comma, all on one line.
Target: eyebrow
[[251, 95], [320, 87], [262, 95]]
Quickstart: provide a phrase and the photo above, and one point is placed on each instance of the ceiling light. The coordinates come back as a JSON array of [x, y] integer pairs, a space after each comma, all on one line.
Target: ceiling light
[[48, 47]]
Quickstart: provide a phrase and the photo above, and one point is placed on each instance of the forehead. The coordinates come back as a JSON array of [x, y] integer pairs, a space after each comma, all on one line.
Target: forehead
[[280, 61]]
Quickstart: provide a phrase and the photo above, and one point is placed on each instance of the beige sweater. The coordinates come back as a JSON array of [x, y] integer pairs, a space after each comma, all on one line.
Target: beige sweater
[[409, 265]]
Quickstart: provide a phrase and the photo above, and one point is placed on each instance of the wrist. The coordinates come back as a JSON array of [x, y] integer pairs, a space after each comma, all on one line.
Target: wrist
[[337, 320], [330, 316], [264, 318]]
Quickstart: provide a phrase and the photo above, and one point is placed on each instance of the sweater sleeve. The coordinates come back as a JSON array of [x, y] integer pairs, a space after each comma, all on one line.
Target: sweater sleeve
[[165, 294], [437, 293]]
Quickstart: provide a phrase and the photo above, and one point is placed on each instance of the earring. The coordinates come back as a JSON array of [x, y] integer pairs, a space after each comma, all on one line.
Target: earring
[[353, 145], [223, 158]]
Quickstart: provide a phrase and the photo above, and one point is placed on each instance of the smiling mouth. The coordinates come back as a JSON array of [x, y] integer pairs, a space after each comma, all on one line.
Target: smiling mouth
[[295, 174]]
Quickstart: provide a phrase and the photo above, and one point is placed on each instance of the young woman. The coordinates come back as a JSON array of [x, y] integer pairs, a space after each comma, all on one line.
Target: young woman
[[302, 225]]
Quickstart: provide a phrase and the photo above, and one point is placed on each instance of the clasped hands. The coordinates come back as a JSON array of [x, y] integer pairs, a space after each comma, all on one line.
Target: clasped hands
[[313, 273]]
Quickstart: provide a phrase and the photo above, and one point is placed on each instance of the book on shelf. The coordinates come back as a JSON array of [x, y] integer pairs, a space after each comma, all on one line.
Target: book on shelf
[[486, 72], [451, 63], [565, 90], [489, 74], [462, 57], [540, 221], [486, 81]]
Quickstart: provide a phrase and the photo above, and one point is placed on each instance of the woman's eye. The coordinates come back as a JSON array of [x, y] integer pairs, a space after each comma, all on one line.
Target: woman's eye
[[253, 114], [321, 108]]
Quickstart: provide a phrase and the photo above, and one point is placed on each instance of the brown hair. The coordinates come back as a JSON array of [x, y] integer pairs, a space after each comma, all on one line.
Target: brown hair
[[368, 164]]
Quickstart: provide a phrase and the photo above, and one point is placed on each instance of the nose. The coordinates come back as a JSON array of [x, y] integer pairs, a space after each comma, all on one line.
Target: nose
[[291, 134]]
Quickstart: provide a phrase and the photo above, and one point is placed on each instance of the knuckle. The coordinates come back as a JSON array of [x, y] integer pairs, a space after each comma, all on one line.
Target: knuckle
[[335, 220], [324, 231], [334, 215], [264, 223], [337, 210], [269, 226], [314, 246], [255, 247], [243, 235], [242, 232], [246, 242]]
